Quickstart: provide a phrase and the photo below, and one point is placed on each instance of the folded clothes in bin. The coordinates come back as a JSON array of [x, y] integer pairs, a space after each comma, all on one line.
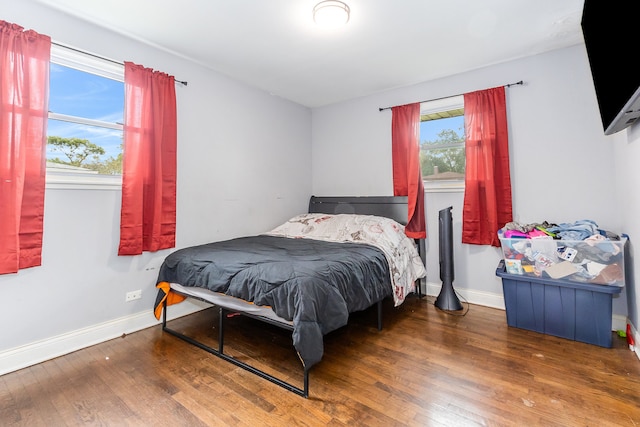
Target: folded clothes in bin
[[561, 269], [578, 251]]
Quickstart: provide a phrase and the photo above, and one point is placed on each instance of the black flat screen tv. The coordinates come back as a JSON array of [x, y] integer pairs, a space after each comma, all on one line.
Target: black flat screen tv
[[610, 30]]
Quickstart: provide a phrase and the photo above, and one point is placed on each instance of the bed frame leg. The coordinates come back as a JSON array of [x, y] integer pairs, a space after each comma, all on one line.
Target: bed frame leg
[[164, 314], [379, 315], [221, 331]]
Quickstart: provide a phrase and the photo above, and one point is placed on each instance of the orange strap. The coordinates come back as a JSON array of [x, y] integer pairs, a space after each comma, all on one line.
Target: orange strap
[[170, 296]]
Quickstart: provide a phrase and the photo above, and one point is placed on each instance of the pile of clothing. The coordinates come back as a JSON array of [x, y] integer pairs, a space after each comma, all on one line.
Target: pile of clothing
[[578, 251]]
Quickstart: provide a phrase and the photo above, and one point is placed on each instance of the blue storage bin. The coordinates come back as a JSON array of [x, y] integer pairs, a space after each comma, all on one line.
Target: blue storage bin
[[563, 308]]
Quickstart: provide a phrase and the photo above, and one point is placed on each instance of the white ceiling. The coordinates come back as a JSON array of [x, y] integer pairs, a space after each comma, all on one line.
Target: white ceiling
[[273, 44]]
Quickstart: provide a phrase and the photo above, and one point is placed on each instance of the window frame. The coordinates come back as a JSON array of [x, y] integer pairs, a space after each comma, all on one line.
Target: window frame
[[439, 106], [58, 178]]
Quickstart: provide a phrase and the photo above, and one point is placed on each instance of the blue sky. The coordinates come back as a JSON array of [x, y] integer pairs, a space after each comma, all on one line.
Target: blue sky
[[90, 96], [429, 130]]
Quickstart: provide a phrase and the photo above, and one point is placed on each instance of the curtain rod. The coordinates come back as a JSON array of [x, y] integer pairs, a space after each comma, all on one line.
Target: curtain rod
[[451, 96], [105, 59]]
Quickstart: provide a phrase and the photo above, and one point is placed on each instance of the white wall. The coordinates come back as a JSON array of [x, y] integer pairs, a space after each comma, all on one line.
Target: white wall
[[243, 167], [563, 168], [627, 150]]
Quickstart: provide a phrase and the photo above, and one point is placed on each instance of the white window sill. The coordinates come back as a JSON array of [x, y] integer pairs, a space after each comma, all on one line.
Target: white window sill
[[75, 181], [453, 186]]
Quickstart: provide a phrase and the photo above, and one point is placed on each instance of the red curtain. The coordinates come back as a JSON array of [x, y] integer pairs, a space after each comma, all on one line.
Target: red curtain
[[148, 215], [487, 197], [24, 102], [407, 177]]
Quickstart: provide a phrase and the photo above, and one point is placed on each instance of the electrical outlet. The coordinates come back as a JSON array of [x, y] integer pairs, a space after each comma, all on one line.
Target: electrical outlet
[[133, 295]]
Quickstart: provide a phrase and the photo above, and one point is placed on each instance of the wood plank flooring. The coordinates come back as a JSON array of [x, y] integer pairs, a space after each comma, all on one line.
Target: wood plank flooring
[[425, 368]]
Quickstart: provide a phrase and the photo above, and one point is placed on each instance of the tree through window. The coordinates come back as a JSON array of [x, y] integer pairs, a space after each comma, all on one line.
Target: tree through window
[[86, 112], [442, 153]]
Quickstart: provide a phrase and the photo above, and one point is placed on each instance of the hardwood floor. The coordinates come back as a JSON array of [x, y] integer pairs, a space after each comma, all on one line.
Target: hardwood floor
[[425, 368]]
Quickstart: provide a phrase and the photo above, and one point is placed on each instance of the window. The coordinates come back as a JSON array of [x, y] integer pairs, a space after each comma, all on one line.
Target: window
[[442, 153], [86, 114]]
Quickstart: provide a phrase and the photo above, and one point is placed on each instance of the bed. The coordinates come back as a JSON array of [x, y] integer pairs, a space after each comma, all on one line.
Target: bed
[[307, 275]]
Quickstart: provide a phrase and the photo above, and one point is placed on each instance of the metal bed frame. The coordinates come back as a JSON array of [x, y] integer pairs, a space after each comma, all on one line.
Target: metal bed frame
[[394, 207], [219, 352]]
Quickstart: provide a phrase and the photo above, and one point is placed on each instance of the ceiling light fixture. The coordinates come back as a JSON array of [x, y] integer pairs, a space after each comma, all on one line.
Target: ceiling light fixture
[[331, 13]]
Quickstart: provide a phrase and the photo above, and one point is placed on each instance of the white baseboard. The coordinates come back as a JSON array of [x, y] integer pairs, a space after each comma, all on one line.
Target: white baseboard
[[27, 355], [24, 356], [636, 339], [618, 322], [487, 299]]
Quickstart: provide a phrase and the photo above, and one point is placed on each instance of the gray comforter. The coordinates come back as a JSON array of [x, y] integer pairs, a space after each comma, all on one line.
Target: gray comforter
[[315, 284]]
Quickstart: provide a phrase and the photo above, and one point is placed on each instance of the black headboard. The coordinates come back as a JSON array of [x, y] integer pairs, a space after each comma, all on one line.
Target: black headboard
[[394, 207]]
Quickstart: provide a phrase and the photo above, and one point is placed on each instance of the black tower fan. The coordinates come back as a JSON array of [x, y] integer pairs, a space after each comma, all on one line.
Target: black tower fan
[[447, 299]]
